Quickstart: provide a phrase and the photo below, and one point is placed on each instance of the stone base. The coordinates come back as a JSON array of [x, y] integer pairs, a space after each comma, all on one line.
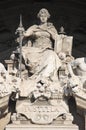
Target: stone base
[[41, 127]]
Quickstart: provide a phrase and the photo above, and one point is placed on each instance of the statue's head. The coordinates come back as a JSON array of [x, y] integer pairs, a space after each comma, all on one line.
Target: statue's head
[[43, 15], [43, 11]]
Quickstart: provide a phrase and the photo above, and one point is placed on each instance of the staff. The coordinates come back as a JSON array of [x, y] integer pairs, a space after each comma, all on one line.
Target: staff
[[20, 31]]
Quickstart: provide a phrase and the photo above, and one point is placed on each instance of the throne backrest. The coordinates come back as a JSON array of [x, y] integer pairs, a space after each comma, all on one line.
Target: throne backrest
[[63, 44]]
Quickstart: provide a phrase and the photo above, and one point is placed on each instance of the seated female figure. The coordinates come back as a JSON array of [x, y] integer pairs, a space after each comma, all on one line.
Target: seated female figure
[[39, 54]]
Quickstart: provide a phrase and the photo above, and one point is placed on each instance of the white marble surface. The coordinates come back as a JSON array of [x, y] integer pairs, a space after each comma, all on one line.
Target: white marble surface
[[41, 127]]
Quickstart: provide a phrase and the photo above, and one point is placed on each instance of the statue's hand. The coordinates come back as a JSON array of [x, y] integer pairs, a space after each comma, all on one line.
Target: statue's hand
[[30, 31]]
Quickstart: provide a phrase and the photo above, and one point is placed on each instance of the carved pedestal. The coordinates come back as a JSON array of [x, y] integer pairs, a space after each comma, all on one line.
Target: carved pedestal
[[41, 116], [41, 127]]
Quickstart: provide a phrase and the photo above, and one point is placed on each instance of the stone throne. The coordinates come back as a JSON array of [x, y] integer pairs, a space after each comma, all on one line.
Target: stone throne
[[40, 99]]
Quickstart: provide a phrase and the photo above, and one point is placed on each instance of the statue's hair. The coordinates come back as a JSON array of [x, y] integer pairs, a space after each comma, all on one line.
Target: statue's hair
[[43, 11]]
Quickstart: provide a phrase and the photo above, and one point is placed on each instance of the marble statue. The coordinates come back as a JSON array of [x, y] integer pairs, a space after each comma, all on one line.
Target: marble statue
[[8, 84], [42, 42], [77, 69], [42, 75], [46, 65], [40, 59]]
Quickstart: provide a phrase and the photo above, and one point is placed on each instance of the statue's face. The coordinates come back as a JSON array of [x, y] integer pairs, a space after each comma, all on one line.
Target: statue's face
[[43, 18]]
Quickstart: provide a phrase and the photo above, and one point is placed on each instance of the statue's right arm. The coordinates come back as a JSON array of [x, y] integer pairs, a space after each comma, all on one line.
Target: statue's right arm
[[30, 31]]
